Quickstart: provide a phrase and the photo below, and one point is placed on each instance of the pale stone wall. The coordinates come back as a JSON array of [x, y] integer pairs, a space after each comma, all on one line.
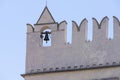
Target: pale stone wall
[[77, 56], [100, 51]]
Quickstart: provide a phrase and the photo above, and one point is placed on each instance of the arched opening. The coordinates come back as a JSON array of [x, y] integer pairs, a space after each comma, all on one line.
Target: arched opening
[[46, 37]]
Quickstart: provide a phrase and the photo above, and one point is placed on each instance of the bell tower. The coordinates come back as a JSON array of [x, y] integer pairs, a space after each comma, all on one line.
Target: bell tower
[[47, 29], [48, 57], [42, 39]]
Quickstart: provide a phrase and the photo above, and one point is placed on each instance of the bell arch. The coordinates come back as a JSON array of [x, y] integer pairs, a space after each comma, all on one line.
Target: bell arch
[[44, 28], [45, 35]]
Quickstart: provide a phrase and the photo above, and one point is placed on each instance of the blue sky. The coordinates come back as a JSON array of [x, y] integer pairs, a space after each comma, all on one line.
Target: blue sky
[[15, 14]]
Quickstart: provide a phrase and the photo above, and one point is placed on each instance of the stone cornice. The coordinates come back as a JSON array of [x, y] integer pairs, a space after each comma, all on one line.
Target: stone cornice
[[73, 68]]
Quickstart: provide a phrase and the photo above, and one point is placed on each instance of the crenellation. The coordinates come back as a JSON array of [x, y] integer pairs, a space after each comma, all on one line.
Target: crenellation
[[100, 42], [113, 46], [114, 17], [116, 28], [100, 31], [79, 33], [75, 26], [30, 28], [61, 25], [102, 21], [63, 31]]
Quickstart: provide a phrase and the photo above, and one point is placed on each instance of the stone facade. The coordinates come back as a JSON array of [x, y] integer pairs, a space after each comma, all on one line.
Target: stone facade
[[80, 60]]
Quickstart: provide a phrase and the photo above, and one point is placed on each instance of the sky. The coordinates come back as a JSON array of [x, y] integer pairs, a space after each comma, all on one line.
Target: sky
[[15, 14]]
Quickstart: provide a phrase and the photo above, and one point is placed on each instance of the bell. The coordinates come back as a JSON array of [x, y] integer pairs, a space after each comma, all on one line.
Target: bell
[[41, 36], [46, 37]]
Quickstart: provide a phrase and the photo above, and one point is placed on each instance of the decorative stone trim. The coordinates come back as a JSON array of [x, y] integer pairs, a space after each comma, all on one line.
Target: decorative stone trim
[[72, 68], [110, 78], [79, 26], [99, 25], [116, 19]]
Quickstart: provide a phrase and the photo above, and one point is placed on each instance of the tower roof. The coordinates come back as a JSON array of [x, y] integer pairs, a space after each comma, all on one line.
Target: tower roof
[[45, 17]]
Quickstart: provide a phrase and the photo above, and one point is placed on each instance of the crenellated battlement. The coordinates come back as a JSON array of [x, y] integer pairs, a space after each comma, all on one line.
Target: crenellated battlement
[[80, 54], [100, 29], [100, 50]]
